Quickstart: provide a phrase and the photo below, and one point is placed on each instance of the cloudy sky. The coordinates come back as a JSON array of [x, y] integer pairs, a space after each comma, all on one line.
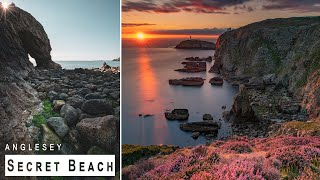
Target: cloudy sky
[[78, 29], [205, 17]]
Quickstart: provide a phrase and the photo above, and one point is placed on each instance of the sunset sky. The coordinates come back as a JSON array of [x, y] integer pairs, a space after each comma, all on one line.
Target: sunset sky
[[204, 18]]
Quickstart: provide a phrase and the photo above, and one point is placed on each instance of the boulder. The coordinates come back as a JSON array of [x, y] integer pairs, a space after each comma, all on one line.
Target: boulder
[[97, 107], [207, 117], [189, 81], [58, 125], [57, 104], [76, 101], [63, 96], [115, 94], [93, 96], [241, 107], [48, 136], [202, 127], [70, 114], [195, 135], [217, 81], [102, 131], [52, 95], [177, 114]]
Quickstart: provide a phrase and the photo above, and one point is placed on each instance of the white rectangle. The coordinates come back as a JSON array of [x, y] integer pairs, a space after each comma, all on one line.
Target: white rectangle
[[59, 165]]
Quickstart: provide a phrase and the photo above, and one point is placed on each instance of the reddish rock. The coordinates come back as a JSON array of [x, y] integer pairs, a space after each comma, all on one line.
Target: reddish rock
[[217, 81], [190, 81], [193, 67]]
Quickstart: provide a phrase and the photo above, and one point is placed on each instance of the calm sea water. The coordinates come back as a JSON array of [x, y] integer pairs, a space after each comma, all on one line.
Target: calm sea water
[[83, 64], [145, 90], [86, 64]]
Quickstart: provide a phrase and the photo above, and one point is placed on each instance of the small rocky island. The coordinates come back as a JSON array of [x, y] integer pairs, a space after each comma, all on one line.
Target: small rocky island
[[196, 44]]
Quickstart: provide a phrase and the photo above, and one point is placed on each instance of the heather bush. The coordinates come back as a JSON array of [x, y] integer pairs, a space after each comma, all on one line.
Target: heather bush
[[236, 159]]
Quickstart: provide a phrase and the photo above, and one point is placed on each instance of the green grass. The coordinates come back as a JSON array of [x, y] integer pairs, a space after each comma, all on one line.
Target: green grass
[[289, 173], [133, 153], [56, 178], [47, 113]]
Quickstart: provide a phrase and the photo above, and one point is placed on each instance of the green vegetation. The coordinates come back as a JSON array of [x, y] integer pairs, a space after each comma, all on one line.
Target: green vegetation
[[56, 178], [47, 113], [288, 173], [133, 153]]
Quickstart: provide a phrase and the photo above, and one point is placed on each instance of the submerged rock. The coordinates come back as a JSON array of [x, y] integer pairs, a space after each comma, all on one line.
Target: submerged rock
[[190, 81], [193, 67], [207, 117], [217, 81], [177, 114], [202, 127]]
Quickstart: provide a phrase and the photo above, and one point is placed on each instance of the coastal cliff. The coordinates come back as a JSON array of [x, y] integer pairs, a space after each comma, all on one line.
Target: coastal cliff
[[195, 44], [281, 51], [20, 35]]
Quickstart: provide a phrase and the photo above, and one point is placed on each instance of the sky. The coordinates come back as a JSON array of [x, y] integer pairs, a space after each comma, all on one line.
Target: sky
[[78, 29], [204, 18]]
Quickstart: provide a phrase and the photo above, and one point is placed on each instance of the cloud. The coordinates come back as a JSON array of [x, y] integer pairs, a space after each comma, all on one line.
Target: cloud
[[136, 24], [172, 6], [294, 5], [205, 31]]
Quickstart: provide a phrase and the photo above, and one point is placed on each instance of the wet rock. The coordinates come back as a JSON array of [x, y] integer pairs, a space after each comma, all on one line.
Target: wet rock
[[207, 117], [57, 104], [93, 96], [241, 107], [52, 95], [97, 107], [195, 135], [48, 136], [68, 149], [96, 150], [101, 131], [255, 83], [190, 81], [115, 94], [217, 81], [177, 114], [76, 101], [147, 115], [202, 127], [63, 96], [70, 114], [193, 67], [58, 125]]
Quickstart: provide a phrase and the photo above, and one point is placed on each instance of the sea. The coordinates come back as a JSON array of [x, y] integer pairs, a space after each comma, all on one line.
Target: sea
[[145, 90], [72, 64]]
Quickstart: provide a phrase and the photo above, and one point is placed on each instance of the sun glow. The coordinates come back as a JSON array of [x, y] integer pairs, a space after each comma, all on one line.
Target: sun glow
[[5, 5], [140, 35]]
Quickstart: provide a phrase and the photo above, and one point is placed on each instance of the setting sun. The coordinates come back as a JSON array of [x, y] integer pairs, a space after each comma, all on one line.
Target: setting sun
[[140, 35], [5, 5]]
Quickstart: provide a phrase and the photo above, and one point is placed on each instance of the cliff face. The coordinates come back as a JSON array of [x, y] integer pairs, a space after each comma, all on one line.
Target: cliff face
[[20, 35], [287, 49], [195, 44]]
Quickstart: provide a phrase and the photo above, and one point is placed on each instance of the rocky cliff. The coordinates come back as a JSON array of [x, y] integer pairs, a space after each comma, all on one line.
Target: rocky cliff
[[20, 35], [195, 44], [284, 52]]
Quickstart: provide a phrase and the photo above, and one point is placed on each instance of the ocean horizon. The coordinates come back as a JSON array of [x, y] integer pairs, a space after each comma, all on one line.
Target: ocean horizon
[[90, 64]]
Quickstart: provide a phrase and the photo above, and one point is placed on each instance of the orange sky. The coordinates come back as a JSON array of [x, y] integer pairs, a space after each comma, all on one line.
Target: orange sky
[[157, 24]]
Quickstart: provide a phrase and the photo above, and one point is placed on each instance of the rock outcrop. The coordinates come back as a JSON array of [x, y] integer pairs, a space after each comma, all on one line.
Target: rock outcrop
[[20, 35], [196, 44], [241, 107], [288, 48]]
